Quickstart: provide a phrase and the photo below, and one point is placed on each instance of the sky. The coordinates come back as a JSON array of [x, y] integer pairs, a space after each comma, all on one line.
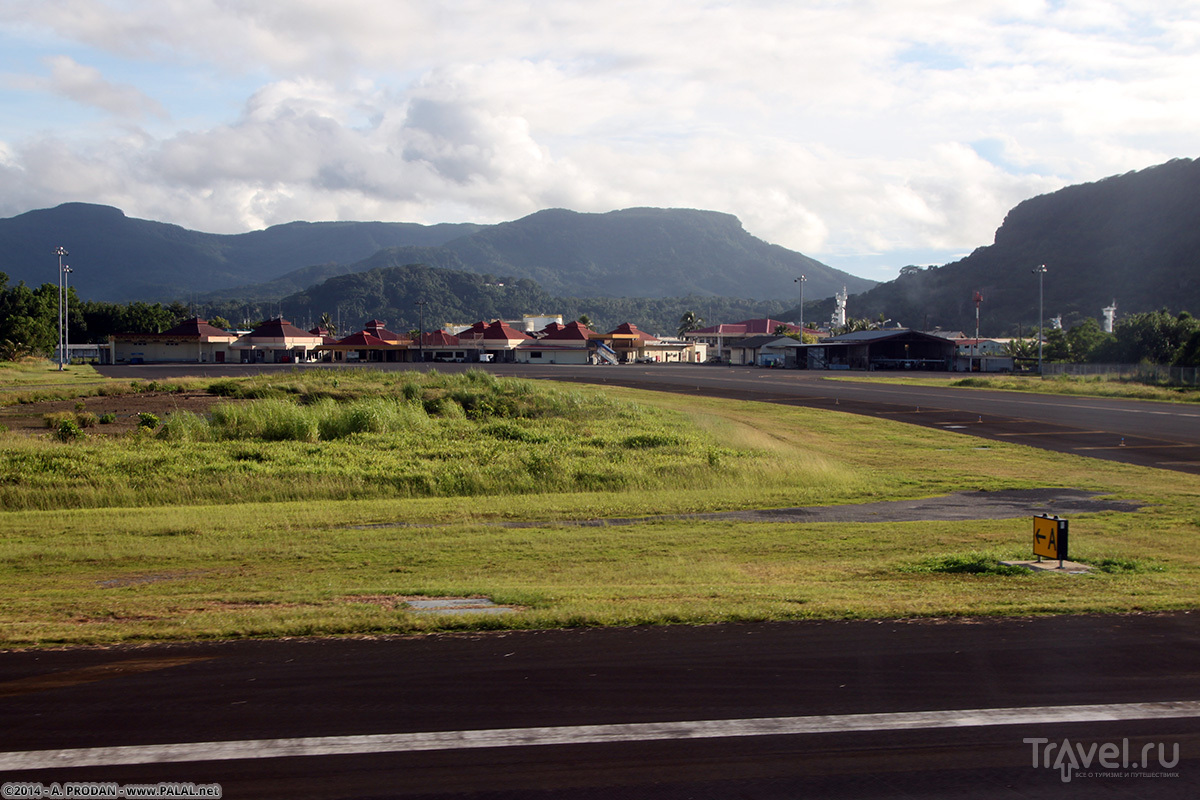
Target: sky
[[866, 134]]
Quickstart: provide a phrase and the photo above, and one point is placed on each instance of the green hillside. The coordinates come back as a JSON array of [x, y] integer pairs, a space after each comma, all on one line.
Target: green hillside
[[1132, 238], [392, 292], [117, 258], [636, 253]]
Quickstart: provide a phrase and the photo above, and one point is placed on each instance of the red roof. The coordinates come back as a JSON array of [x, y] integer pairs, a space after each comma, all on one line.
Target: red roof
[[439, 339], [473, 332], [500, 330], [573, 331], [278, 328], [362, 339], [629, 329], [195, 327], [376, 328]]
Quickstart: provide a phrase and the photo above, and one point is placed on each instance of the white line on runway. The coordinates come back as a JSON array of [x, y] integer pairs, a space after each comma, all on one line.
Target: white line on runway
[[585, 734]]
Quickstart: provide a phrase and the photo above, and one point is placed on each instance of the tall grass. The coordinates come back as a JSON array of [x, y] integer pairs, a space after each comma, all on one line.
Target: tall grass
[[379, 437]]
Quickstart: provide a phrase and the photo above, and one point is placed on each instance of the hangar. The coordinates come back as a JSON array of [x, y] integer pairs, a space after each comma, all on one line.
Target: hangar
[[874, 350]]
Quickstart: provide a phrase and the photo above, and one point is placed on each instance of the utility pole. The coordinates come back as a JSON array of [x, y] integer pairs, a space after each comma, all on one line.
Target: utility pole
[[60, 252], [1041, 273], [801, 281], [975, 344], [66, 316]]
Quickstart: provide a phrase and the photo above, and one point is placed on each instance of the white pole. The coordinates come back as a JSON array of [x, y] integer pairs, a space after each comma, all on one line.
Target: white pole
[[1040, 272], [60, 252], [66, 317], [801, 281]]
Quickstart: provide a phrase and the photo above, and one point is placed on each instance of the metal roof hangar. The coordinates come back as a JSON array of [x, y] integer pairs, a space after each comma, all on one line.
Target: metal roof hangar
[[873, 350]]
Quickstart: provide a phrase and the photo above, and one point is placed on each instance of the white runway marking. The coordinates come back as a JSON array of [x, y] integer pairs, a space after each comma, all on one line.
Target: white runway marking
[[585, 734]]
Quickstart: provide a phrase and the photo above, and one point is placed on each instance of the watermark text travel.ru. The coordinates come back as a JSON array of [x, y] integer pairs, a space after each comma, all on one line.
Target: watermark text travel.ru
[[1069, 758]]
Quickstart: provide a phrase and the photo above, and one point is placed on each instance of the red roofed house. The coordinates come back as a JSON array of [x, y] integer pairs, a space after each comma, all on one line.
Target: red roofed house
[[445, 347], [628, 342], [376, 328], [373, 343], [719, 338], [500, 341], [192, 341], [559, 344], [276, 341]]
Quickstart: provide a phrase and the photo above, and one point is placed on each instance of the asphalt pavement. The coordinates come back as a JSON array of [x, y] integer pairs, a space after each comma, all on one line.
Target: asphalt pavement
[[917, 708]]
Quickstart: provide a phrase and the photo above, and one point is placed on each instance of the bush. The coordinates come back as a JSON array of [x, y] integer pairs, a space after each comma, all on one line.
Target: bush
[[184, 426], [225, 389], [147, 420], [68, 430], [108, 418], [56, 418]]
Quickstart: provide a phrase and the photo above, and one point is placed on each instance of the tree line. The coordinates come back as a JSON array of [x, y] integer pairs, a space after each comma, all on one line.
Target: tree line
[[1154, 337], [29, 318]]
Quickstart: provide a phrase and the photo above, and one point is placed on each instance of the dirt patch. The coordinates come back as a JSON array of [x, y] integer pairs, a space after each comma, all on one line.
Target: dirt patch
[[138, 580], [1004, 504], [30, 418]]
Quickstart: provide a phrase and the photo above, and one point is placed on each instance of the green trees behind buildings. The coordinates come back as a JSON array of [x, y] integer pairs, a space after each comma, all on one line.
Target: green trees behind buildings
[[1155, 337]]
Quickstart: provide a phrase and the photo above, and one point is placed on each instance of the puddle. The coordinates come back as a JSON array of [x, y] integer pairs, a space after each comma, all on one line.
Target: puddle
[[458, 605]]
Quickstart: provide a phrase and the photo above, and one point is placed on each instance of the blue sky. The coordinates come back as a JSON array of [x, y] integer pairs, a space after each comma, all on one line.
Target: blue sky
[[868, 135]]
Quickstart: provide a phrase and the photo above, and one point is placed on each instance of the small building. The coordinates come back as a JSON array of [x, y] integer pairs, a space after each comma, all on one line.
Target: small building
[[982, 355], [720, 338], [558, 344], [628, 342], [193, 341], [276, 341], [497, 341], [443, 347], [365, 347], [766, 351]]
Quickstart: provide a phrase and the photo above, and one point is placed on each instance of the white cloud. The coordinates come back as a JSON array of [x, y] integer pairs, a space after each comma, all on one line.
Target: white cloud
[[88, 87], [839, 129]]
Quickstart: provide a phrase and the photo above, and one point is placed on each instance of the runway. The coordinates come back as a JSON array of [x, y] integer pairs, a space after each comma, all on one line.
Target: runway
[[819, 709]]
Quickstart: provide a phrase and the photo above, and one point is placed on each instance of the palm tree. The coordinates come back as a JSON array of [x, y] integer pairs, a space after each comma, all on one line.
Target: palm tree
[[689, 322], [327, 323], [585, 320]]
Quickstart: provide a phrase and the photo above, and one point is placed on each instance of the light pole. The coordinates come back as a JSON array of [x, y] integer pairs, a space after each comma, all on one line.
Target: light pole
[[1041, 273], [66, 342], [801, 281], [60, 252]]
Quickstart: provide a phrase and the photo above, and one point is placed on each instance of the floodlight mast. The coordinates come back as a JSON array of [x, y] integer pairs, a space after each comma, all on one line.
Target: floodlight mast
[[801, 281], [60, 252], [1040, 271], [66, 345]]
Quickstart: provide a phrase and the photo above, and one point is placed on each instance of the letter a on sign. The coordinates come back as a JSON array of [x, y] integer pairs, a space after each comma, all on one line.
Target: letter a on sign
[[1050, 537]]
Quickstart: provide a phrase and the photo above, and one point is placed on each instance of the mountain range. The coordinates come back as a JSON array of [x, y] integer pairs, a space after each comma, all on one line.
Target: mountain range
[[643, 252], [1133, 239]]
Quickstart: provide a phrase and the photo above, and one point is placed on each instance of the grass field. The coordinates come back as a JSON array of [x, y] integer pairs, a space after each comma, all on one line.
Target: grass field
[[317, 504]]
